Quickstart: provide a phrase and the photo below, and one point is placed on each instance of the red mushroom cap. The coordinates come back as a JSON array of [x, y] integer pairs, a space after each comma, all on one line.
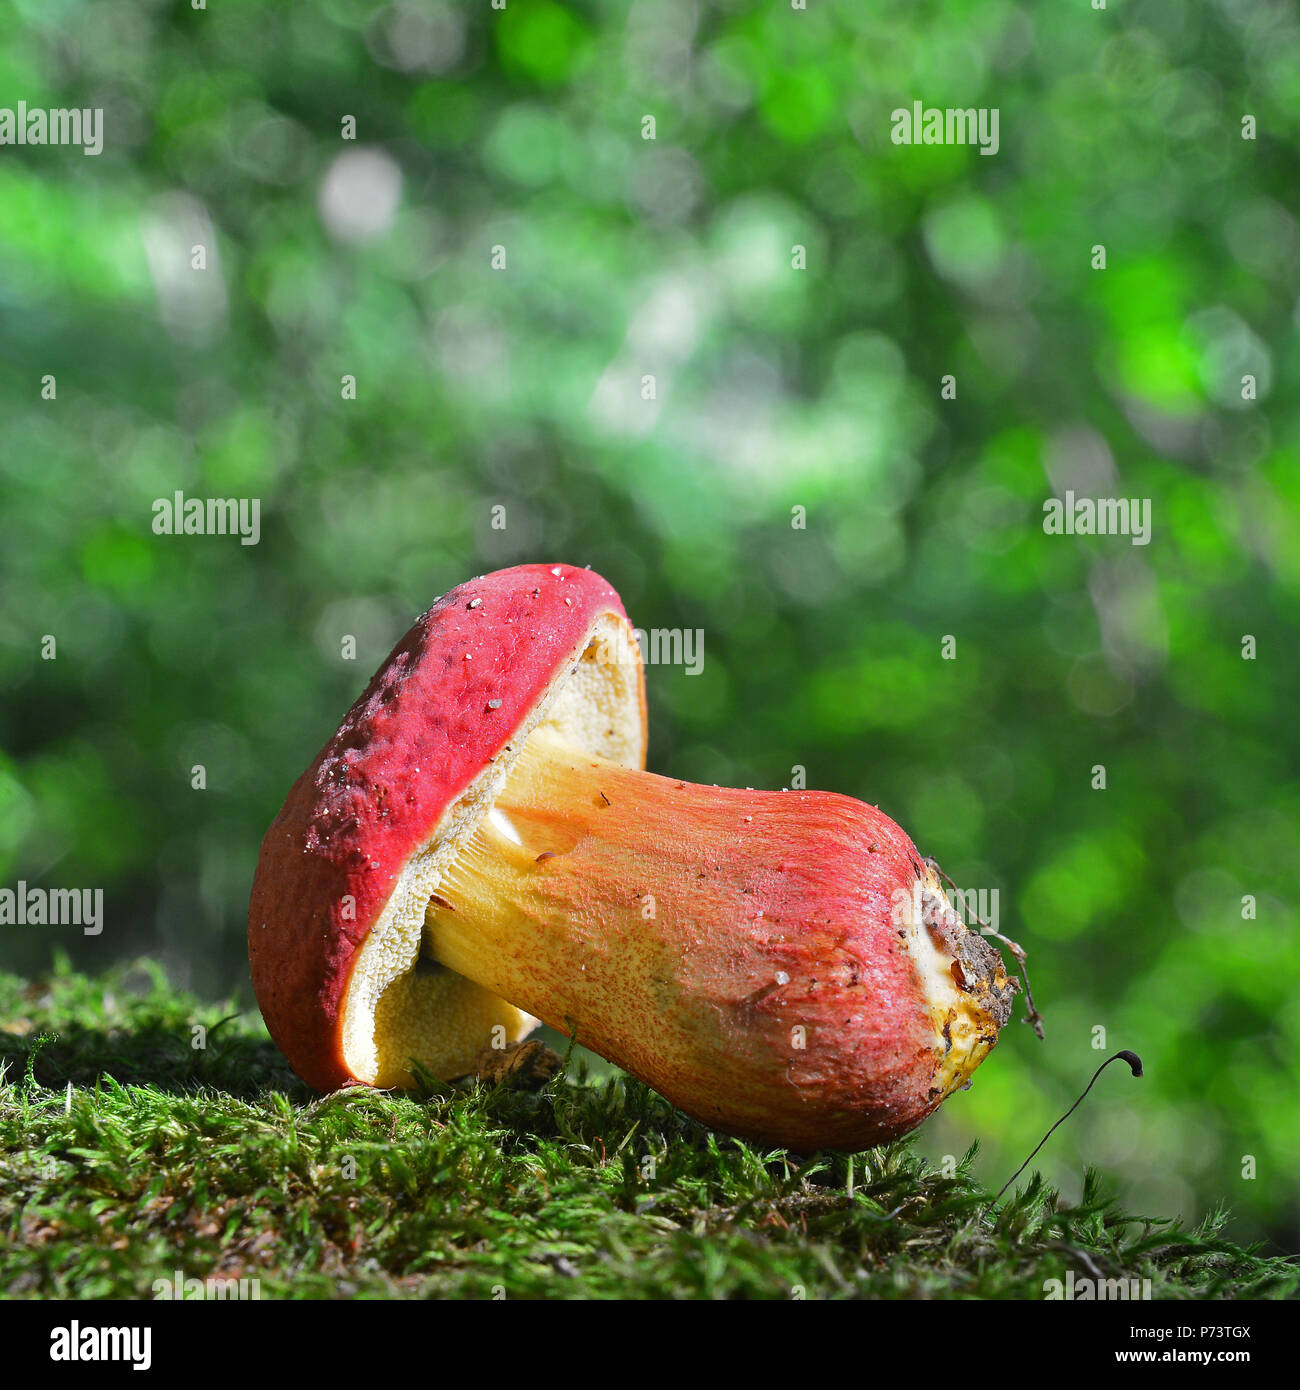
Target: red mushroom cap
[[347, 867]]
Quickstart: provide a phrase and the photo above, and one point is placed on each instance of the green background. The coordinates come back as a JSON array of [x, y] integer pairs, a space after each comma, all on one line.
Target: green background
[[776, 389]]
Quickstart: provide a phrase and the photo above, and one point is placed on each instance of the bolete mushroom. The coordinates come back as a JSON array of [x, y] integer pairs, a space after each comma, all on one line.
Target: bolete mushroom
[[478, 848]]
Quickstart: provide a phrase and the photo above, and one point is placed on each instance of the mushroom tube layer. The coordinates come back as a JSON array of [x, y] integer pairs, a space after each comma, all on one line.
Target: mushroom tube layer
[[398, 1010]]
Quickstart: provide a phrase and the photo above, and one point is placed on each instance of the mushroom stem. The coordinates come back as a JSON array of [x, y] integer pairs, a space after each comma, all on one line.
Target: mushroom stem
[[767, 956]]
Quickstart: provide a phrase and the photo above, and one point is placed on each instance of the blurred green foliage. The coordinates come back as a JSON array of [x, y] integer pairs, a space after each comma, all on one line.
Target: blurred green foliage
[[776, 389]]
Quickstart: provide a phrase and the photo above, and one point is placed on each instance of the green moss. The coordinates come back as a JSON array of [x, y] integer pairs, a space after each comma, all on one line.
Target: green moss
[[214, 1160]]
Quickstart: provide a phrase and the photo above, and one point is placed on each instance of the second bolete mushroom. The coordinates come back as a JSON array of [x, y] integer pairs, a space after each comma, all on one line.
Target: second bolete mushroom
[[477, 847]]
